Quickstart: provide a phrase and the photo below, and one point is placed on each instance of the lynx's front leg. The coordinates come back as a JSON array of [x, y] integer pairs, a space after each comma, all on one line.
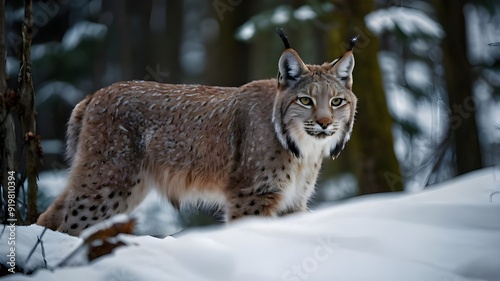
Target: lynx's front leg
[[244, 203]]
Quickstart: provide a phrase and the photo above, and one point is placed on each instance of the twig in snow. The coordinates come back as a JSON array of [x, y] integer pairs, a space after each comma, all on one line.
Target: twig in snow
[[33, 251], [43, 253]]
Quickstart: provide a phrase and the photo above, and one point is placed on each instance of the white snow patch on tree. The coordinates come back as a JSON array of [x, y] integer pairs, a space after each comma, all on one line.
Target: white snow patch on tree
[[411, 22], [304, 13]]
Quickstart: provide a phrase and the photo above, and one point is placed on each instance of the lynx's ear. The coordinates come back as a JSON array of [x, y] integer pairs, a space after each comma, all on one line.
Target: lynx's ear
[[343, 66], [291, 67], [342, 69]]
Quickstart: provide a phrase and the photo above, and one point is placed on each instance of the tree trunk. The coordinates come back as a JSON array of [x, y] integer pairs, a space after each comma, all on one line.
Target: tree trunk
[[173, 36], [163, 43], [371, 151], [27, 103], [228, 59], [459, 81]]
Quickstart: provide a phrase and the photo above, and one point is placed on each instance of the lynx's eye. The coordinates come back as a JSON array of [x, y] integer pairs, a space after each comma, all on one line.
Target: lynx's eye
[[336, 102], [307, 101]]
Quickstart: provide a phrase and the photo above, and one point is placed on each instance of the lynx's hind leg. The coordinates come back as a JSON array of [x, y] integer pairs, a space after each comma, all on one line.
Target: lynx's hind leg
[[95, 192], [85, 209]]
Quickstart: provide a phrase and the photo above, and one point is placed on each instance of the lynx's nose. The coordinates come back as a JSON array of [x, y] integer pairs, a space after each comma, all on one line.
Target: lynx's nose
[[324, 122]]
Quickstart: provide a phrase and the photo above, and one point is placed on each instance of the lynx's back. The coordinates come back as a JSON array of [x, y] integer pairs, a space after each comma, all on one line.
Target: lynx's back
[[181, 136], [251, 150]]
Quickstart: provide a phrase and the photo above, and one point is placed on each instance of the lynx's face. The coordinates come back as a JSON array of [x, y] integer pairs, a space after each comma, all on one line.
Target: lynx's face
[[314, 106], [320, 110]]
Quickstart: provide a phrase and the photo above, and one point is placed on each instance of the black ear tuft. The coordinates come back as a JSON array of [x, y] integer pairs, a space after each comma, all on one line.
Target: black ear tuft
[[283, 37], [352, 42], [290, 65]]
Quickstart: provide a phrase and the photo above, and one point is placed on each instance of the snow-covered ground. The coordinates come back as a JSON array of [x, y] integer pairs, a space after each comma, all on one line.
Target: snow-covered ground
[[450, 232]]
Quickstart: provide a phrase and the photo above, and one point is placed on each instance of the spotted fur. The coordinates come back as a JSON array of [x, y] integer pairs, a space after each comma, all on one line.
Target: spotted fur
[[252, 150]]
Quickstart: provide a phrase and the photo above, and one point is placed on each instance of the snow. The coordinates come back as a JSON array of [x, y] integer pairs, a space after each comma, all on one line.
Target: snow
[[246, 31], [450, 232], [482, 29], [401, 102], [418, 75], [156, 217], [62, 90], [193, 58], [411, 22], [52, 183], [81, 31], [55, 244], [337, 188], [304, 13], [281, 15]]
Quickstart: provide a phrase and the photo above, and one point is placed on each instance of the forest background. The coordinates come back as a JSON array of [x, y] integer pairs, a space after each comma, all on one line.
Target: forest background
[[427, 75]]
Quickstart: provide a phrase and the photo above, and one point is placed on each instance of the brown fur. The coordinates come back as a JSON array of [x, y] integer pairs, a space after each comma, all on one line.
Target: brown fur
[[243, 149]]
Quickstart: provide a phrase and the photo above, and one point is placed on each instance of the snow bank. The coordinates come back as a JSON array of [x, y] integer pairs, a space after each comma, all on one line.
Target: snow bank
[[56, 245], [448, 233]]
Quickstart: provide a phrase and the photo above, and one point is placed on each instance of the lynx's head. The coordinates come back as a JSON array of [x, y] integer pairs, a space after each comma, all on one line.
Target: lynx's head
[[314, 106]]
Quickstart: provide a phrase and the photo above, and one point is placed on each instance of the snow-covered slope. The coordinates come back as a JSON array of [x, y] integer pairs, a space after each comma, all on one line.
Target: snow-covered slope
[[449, 233]]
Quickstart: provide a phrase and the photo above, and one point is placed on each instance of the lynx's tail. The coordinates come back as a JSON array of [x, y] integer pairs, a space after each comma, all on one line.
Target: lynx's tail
[[75, 126]]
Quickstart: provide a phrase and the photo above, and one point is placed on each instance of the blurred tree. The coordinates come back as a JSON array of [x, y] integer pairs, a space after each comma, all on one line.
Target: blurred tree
[[371, 150], [459, 81], [229, 59], [22, 103], [154, 50], [123, 30], [27, 114], [169, 48]]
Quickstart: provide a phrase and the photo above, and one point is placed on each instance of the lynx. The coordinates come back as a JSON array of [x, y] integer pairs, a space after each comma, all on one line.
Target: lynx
[[253, 150]]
